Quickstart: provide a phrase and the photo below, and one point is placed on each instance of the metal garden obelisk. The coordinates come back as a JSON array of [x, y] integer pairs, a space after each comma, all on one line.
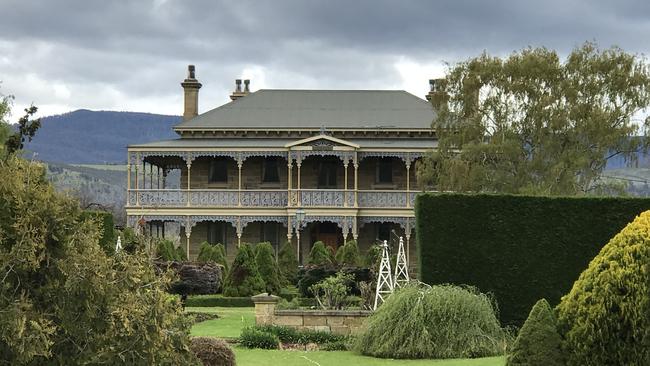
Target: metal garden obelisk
[[401, 267], [385, 279]]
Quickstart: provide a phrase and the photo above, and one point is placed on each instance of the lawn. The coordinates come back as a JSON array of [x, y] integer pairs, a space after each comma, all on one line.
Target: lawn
[[229, 325], [232, 320]]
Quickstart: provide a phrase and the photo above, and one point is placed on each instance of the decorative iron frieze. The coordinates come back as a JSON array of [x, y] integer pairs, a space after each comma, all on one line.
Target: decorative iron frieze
[[382, 199]]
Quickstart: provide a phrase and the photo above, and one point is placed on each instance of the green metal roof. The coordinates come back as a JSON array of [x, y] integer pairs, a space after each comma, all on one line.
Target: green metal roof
[[368, 143], [313, 109]]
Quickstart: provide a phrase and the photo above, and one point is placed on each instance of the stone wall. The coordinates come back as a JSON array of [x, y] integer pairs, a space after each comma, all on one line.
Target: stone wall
[[343, 322]]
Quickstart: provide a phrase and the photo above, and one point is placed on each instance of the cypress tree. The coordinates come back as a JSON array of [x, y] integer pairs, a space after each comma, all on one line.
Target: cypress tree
[[243, 278], [267, 267], [288, 264], [320, 255], [538, 342]]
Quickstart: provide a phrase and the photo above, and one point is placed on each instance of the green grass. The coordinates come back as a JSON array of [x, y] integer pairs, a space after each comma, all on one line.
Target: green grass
[[229, 325], [232, 320], [255, 357]]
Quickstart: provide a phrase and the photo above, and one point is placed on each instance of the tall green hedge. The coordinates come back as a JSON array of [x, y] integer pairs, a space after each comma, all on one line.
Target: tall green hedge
[[519, 248]]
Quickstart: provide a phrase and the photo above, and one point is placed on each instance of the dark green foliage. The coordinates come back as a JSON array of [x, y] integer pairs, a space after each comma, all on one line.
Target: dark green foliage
[[180, 253], [252, 337], [63, 300], [288, 264], [243, 278], [304, 336], [312, 275], [604, 318], [373, 257], [194, 278], [538, 342], [131, 242], [212, 252], [320, 255], [283, 304], [289, 293], [335, 346], [268, 268], [165, 250], [218, 300], [212, 351], [105, 222], [348, 254], [438, 322], [519, 248], [332, 292], [27, 127]]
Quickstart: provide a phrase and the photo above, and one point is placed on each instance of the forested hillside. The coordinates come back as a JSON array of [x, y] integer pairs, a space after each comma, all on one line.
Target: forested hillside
[[97, 137]]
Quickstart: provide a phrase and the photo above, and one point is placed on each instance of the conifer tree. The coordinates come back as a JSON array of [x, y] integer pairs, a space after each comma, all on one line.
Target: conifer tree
[[243, 278], [288, 264], [268, 267], [538, 342], [320, 255]]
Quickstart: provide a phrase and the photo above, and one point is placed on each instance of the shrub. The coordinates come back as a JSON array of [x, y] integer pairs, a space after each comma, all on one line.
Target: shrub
[[252, 337], [335, 346], [289, 293], [508, 243], [288, 264], [197, 317], [320, 255], [373, 257], [194, 278], [310, 276], [538, 342], [348, 254], [218, 300], [180, 253], [165, 250], [437, 322], [604, 319], [212, 253], [243, 278], [267, 267], [212, 351], [106, 223], [283, 304], [332, 292], [291, 335]]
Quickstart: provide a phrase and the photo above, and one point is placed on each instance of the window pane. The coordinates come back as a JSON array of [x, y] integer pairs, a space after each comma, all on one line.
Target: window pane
[[218, 171], [271, 171]]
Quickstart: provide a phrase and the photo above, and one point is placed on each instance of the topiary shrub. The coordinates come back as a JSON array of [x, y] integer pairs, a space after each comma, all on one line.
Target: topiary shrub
[[212, 253], [348, 254], [212, 351], [604, 319], [538, 341], [180, 253], [433, 322], [252, 337], [243, 278], [320, 255], [288, 264], [165, 250], [267, 267]]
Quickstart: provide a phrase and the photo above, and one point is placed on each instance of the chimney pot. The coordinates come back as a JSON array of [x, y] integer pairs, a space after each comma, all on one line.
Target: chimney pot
[[237, 85], [190, 72], [246, 86]]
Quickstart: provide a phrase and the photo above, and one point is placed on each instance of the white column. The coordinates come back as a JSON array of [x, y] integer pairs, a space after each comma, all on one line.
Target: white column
[[289, 179], [240, 163], [345, 181], [189, 174]]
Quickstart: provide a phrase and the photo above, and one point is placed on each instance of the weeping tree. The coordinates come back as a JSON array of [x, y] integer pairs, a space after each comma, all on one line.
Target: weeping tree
[[533, 123]]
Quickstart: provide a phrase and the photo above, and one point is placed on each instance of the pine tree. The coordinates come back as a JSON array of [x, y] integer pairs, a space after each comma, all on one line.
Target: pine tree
[[213, 253], [348, 254], [320, 255]]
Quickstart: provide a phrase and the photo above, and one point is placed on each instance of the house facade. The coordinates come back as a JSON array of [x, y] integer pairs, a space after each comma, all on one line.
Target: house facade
[[285, 165]]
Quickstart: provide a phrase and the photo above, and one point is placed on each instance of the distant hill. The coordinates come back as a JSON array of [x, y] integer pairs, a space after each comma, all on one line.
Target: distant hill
[[98, 137]]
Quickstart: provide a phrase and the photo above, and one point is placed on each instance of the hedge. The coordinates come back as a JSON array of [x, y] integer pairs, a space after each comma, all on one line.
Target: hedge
[[519, 248], [232, 302]]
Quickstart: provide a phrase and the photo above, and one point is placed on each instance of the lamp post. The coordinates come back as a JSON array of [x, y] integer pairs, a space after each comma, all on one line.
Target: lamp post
[[300, 217]]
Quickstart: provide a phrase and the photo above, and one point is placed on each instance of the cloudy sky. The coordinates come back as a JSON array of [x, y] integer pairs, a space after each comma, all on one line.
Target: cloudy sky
[[132, 55]]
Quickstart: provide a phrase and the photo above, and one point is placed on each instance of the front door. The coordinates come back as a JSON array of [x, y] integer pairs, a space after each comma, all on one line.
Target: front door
[[329, 233]]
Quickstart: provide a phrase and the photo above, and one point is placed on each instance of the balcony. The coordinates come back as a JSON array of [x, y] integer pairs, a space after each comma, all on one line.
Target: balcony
[[266, 198]]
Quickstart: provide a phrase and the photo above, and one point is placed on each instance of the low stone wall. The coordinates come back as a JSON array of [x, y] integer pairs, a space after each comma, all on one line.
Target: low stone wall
[[336, 321]]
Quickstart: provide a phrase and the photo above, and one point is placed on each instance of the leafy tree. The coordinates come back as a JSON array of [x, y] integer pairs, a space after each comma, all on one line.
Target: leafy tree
[[538, 341], [27, 127], [288, 264], [213, 253], [604, 319], [267, 267], [320, 255], [348, 254], [63, 301], [5, 129], [534, 124], [243, 279]]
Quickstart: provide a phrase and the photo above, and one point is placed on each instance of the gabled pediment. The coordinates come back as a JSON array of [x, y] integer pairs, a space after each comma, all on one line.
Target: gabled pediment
[[321, 140]]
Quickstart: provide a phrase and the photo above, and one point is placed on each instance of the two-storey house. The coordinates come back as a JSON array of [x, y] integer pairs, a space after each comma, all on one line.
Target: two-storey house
[[285, 165]]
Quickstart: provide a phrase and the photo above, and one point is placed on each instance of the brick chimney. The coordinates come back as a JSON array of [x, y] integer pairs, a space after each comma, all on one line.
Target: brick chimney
[[238, 93], [191, 88]]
